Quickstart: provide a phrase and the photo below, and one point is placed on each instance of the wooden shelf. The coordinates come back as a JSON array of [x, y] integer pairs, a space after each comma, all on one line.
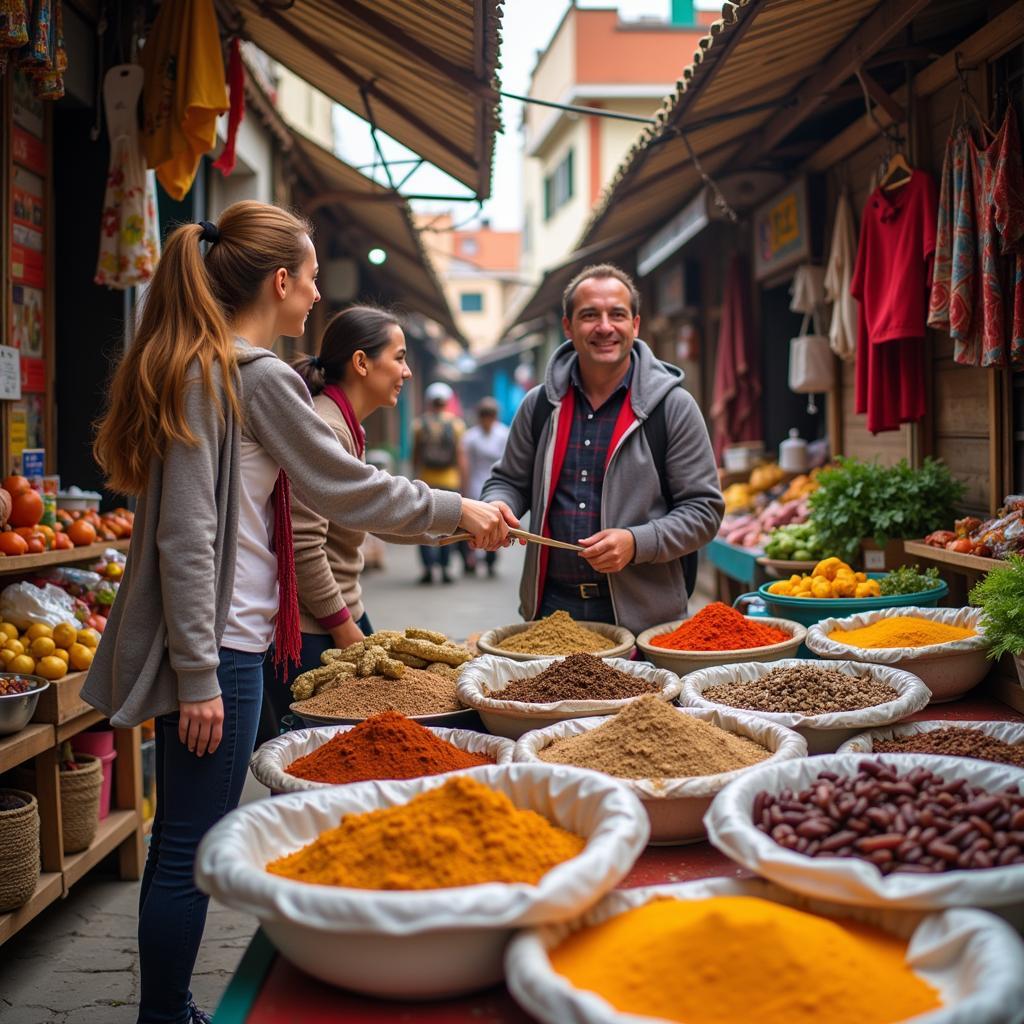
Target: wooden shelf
[[79, 724], [32, 740], [112, 831], [50, 887], [26, 563], [973, 563], [61, 701]]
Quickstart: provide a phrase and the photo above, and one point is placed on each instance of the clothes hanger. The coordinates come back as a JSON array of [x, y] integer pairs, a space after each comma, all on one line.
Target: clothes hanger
[[897, 173], [122, 86], [969, 101]]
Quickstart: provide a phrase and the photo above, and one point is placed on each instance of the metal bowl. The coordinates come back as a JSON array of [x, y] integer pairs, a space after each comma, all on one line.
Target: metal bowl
[[17, 709]]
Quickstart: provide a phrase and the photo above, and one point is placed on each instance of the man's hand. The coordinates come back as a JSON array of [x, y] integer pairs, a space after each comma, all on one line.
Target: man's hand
[[509, 518], [201, 724], [346, 634], [609, 550]]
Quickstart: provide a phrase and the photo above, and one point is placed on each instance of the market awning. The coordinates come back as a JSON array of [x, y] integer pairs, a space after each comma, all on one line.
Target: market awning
[[424, 73], [374, 217], [762, 70]]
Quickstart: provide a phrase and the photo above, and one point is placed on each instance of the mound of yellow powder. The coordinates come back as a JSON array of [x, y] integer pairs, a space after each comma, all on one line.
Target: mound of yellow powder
[[461, 833], [740, 960]]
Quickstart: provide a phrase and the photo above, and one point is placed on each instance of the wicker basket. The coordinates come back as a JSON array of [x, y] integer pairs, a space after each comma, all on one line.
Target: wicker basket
[[80, 803], [19, 840]]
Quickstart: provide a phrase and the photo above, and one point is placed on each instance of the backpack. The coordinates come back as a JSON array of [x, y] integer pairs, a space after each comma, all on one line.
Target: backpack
[[656, 432], [437, 445]]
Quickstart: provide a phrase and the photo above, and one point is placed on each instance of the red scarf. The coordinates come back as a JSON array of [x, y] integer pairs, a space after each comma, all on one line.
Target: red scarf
[[341, 400], [287, 636]]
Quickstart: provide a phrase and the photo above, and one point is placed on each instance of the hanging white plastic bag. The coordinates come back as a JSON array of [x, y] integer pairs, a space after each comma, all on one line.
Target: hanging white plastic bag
[[811, 362]]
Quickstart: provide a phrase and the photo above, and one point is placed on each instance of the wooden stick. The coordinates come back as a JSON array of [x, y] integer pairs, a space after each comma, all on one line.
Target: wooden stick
[[533, 538]]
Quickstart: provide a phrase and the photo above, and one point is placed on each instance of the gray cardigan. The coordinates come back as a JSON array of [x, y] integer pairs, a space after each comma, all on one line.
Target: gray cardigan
[[651, 589], [162, 640]]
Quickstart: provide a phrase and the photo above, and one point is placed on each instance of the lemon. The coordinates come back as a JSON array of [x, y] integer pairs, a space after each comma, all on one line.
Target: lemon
[[62, 654], [15, 645], [41, 647], [6, 656], [22, 664], [80, 657], [64, 635], [38, 629], [89, 637], [51, 667], [9, 629]]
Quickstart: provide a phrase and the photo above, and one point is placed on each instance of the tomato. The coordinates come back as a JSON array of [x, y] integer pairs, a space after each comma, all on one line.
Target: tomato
[[27, 509], [15, 485], [13, 544]]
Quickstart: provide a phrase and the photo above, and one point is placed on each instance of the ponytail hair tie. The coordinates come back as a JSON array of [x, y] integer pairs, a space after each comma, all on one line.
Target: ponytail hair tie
[[210, 233], [317, 363]]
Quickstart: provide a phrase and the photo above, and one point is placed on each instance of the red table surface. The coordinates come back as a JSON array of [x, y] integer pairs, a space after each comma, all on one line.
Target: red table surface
[[288, 996]]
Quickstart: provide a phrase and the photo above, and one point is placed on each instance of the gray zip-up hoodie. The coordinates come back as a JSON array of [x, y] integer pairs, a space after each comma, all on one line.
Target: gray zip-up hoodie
[[651, 589], [162, 640]]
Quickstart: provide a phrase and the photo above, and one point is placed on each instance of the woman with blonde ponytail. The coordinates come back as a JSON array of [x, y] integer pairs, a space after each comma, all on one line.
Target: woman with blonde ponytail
[[211, 431]]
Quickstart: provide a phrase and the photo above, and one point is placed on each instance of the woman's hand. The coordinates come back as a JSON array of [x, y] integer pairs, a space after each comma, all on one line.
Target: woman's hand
[[201, 724], [487, 523], [347, 634]]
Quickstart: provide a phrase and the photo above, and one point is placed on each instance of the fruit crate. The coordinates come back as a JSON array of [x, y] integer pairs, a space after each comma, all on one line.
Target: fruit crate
[[62, 700]]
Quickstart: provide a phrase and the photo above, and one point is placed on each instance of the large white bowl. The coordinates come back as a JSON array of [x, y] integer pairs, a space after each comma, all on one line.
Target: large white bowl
[[428, 943], [481, 683], [684, 662], [676, 806], [848, 879], [974, 959], [949, 670], [864, 743], [620, 641], [269, 763], [824, 733]]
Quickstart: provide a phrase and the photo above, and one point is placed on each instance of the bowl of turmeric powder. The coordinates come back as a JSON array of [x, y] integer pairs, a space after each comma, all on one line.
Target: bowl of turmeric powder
[[946, 648], [743, 950], [411, 889], [556, 635], [719, 635]]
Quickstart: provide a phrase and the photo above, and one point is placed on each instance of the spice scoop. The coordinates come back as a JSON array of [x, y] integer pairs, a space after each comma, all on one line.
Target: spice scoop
[[532, 538]]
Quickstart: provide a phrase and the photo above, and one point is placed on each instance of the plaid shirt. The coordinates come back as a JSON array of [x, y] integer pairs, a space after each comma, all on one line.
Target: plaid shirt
[[576, 504]]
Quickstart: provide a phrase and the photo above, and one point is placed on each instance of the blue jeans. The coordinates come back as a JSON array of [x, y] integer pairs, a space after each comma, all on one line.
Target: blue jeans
[[277, 693], [192, 794]]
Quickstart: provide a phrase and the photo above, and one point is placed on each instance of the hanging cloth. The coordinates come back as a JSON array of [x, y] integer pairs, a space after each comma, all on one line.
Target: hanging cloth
[[13, 29], [129, 232], [842, 333], [735, 412], [978, 284], [184, 92], [225, 163], [807, 289]]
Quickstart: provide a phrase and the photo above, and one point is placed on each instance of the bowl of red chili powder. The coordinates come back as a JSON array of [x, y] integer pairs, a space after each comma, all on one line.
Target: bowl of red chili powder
[[719, 635]]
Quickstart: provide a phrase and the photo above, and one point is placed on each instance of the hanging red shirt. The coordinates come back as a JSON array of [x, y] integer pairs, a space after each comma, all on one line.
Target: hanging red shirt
[[891, 282]]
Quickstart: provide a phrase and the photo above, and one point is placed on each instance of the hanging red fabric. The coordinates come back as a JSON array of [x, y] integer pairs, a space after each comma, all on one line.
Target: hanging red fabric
[[287, 635], [225, 163]]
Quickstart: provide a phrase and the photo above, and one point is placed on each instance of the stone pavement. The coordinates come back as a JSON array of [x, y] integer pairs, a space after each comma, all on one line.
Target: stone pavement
[[77, 962]]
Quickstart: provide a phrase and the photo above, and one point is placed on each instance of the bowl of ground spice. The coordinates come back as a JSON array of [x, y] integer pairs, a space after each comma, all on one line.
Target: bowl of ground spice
[[555, 635], [1002, 742], [826, 702], [730, 951], [385, 746], [945, 647], [908, 831], [411, 889], [719, 635], [515, 697], [430, 697], [674, 759]]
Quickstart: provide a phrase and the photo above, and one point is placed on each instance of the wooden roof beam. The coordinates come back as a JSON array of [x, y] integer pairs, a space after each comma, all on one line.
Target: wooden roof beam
[[874, 89], [887, 20]]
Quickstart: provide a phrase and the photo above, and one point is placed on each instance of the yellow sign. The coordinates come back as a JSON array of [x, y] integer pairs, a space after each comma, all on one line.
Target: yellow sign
[[19, 431], [784, 219]]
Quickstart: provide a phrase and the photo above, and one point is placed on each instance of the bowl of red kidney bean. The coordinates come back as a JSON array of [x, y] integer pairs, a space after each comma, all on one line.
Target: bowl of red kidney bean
[[916, 831], [19, 695]]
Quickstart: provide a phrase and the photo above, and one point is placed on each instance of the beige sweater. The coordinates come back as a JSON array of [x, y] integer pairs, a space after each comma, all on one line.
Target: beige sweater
[[328, 557]]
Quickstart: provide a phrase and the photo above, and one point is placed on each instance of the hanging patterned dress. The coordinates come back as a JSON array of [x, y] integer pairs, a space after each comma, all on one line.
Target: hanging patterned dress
[[977, 290]]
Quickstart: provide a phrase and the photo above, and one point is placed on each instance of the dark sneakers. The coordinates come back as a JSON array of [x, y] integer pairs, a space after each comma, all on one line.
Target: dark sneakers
[[197, 1016]]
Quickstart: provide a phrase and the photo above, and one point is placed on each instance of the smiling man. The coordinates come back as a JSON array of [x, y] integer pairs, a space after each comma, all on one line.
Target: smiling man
[[610, 452]]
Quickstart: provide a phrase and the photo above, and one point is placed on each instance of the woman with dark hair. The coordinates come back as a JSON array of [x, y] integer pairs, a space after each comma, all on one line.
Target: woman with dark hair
[[361, 367]]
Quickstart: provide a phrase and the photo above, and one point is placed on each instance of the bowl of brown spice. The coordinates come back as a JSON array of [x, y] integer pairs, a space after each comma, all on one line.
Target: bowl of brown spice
[[674, 759], [556, 635], [826, 702], [514, 697], [985, 741]]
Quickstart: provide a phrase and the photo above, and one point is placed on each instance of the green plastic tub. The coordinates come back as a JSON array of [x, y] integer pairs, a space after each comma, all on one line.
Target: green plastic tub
[[809, 610]]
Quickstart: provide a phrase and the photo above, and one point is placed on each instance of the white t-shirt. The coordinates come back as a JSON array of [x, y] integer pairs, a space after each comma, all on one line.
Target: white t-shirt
[[250, 625], [482, 452]]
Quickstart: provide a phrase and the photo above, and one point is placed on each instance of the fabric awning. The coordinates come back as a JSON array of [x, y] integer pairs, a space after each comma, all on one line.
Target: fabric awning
[[374, 216], [428, 70]]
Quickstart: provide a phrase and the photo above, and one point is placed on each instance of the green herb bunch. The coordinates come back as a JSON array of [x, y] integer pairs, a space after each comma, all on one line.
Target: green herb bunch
[[860, 500], [909, 579], [1001, 598]]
